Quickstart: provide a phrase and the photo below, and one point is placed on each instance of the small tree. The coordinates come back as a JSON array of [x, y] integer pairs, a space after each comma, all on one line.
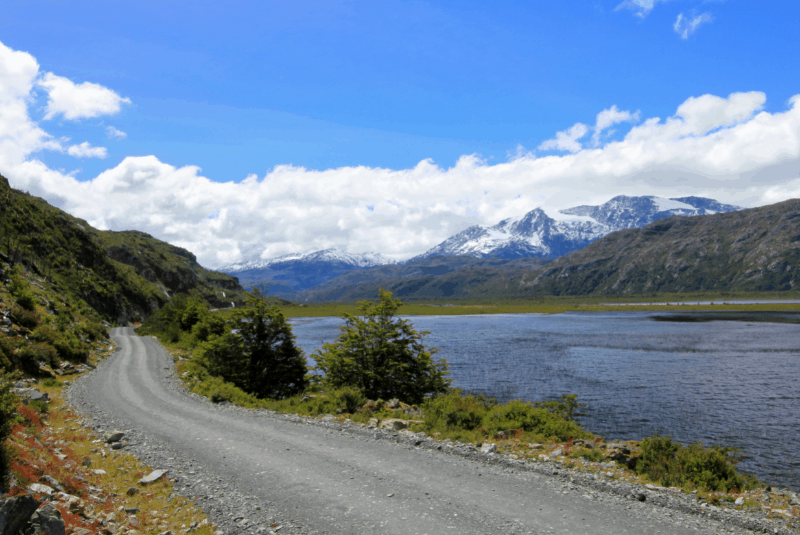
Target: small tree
[[382, 355], [257, 352]]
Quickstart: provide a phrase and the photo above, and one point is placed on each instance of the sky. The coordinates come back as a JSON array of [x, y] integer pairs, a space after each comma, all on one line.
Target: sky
[[266, 128]]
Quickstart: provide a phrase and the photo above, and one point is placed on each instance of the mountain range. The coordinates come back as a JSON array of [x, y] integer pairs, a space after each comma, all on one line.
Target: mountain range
[[552, 234], [537, 234], [757, 249]]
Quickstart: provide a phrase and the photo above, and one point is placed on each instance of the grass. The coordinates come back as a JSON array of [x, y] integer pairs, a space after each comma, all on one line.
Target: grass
[[557, 305]]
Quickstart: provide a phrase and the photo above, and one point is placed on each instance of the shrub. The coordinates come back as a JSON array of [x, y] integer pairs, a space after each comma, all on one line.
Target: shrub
[[670, 464], [31, 355], [21, 290], [382, 355], [456, 412], [25, 318], [349, 399]]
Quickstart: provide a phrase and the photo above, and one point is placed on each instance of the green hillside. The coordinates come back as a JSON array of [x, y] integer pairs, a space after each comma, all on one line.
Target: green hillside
[[123, 276]]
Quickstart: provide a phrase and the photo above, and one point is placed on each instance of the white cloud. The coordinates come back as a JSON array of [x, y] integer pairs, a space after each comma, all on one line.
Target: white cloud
[[608, 118], [113, 133], [85, 150], [567, 140], [641, 7], [722, 147], [78, 101], [684, 26]]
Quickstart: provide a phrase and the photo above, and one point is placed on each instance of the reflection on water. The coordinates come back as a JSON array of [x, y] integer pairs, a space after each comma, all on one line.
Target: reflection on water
[[732, 383]]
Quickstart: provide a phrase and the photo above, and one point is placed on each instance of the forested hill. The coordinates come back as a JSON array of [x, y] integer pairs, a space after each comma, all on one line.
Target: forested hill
[[122, 275]]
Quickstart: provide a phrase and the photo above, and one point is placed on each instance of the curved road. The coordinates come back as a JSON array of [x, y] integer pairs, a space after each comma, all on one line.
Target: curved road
[[340, 482]]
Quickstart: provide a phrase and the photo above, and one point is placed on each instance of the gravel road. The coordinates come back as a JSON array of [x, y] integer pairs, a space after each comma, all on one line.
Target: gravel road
[[258, 472]]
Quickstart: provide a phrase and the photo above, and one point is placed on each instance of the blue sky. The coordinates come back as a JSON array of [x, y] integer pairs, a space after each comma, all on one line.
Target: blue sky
[[244, 88]]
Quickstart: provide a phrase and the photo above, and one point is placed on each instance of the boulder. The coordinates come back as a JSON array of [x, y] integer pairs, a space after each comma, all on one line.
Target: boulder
[[15, 512], [489, 448], [38, 488], [113, 436], [392, 404], [556, 452], [46, 521], [394, 423]]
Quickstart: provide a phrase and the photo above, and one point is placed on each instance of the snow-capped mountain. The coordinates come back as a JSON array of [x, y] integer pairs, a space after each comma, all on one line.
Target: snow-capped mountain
[[336, 256], [291, 273], [551, 234]]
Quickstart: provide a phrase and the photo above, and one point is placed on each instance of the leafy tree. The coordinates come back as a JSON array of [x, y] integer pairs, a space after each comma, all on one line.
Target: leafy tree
[[382, 355], [257, 353]]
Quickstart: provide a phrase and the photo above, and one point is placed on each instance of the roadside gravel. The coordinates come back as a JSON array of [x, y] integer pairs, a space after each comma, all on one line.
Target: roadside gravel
[[293, 474]]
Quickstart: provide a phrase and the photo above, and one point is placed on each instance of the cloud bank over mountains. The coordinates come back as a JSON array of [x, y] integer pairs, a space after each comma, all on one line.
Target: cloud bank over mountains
[[727, 148]]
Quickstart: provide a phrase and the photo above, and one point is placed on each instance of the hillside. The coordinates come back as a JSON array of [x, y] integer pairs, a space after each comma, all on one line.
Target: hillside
[[748, 250], [122, 275]]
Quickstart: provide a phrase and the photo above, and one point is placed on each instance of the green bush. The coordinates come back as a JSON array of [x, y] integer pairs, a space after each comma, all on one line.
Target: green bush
[[671, 464], [382, 355], [67, 345], [348, 399], [25, 318], [456, 412], [21, 290], [31, 355]]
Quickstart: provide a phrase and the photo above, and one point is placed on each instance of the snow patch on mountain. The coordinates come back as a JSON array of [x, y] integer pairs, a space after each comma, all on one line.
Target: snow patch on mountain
[[544, 232], [333, 255]]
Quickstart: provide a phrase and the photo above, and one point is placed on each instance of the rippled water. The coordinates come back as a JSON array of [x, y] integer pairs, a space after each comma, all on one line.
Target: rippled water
[[732, 383]]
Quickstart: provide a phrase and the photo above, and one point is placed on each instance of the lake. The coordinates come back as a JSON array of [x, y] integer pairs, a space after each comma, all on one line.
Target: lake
[[731, 383]]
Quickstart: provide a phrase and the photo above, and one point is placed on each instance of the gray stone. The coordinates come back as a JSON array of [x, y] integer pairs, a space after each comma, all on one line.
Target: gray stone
[[52, 482], [117, 446], [15, 512], [393, 403], [46, 521], [38, 488], [557, 452], [113, 436], [153, 476], [489, 448]]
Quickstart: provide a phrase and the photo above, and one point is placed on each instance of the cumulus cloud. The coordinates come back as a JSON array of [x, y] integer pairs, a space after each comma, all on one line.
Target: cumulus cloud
[[85, 150], [642, 8], [113, 133], [567, 140], [608, 118], [78, 101], [684, 26], [728, 148]]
